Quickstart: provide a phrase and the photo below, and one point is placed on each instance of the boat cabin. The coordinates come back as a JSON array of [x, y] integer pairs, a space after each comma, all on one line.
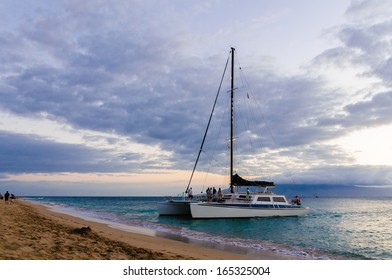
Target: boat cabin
[[259, 198]]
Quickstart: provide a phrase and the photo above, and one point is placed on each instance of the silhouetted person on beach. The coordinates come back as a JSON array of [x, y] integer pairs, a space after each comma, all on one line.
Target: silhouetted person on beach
[[6, 196]]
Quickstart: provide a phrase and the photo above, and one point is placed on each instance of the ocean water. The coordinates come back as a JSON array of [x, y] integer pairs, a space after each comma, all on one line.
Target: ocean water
[[336, 228]]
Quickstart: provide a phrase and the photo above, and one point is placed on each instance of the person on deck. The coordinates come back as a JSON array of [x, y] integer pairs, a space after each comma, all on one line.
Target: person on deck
[[190, 194], [214, 194], [296, 200], [208, 194], [220, 194]]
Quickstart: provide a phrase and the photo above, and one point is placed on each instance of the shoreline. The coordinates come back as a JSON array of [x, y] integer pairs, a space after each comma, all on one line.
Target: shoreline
[[40, 232]]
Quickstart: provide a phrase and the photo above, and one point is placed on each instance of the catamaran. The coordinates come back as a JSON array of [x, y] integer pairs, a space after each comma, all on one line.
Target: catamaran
[[257, 200], [260, 202]]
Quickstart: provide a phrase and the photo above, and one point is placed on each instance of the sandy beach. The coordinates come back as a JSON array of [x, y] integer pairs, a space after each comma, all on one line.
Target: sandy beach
[[33, 232]]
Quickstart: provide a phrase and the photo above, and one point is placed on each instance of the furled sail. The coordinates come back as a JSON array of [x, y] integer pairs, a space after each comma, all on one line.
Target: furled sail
[[239, 181]]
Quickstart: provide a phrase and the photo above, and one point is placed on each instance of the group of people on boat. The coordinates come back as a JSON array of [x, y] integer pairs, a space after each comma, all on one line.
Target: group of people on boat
[[214, 195]]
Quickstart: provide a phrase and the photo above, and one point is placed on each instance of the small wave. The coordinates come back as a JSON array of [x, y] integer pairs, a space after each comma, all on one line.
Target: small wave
[[186, 234], [255, 245], [33, 198]]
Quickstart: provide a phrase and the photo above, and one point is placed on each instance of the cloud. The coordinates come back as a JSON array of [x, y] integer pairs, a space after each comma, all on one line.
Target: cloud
[[108, 79], [374, 175], [124, 70], [28, 154], [369, 10], [374, 112]]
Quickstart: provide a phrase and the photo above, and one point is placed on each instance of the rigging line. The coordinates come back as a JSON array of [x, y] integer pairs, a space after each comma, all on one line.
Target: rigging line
[[208, 125], [213, 157], [259, 138], [251, 117], [275, 143]]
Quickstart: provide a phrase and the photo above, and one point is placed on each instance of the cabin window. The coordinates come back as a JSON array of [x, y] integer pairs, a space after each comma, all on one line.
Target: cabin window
[[264, 199], [278, 199]]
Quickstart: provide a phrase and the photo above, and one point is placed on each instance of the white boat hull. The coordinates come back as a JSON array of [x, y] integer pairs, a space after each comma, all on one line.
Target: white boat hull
[[174, 208], [217, 210]]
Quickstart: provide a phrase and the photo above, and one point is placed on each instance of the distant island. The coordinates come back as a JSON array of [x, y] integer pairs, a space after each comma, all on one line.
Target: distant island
[[330, 190]]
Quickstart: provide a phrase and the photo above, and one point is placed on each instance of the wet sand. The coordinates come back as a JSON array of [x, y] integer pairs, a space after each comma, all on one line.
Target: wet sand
[[31, 231]]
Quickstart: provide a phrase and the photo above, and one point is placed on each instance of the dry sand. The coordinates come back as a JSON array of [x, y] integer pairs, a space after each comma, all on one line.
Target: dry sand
[[32, 232]]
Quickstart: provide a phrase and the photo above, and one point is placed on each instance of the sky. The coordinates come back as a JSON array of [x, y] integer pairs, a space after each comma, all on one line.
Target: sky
[[112, 98]]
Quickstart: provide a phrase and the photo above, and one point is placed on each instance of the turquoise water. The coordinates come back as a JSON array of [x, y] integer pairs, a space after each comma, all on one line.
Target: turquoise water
[[336, 228]]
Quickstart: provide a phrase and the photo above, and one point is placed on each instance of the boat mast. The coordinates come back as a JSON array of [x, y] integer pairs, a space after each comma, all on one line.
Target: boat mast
[[208, 125], [232, 121]]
